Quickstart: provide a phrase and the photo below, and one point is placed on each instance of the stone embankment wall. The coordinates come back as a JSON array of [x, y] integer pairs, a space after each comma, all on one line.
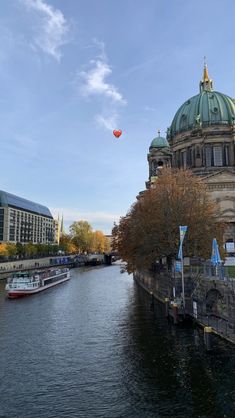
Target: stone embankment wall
[[213, 304], [210, 301], [25, 264]]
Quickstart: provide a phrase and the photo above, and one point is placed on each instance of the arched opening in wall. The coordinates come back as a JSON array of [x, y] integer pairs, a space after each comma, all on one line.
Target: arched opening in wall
[[214, 303], [160, 163]]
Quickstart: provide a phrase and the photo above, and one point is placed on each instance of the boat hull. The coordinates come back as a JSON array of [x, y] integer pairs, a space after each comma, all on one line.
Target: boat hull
[[15, 294]]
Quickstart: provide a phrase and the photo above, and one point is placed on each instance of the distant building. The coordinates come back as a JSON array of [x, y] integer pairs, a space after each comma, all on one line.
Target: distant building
[[201, 137], [24, 221], [109, 238]]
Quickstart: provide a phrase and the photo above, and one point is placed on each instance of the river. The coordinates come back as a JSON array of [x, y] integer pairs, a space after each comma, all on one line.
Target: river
[[94, 347]]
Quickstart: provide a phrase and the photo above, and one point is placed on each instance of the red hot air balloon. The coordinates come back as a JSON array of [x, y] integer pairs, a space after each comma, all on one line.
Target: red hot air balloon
[[117, 133]]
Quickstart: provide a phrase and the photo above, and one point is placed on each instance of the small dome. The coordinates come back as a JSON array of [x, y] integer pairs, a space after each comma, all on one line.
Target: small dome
[[159, 142]]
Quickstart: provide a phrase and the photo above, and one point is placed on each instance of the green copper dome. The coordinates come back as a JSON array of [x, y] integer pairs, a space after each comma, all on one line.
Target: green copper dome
[[159, 142], [205, 109]]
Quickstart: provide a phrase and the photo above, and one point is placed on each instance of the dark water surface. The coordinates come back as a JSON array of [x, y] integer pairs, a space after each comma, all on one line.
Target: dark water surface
[[92, 347]]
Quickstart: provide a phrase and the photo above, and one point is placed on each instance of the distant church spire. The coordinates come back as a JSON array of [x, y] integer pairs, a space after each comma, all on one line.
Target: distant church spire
[[206, 83], [58, 229], [62, 225]]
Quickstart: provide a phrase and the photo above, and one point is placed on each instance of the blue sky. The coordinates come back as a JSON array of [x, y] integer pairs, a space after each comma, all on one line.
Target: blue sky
[[71, 71]]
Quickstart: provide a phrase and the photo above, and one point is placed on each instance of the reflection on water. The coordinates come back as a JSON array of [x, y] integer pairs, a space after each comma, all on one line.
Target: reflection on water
[[93, 347]]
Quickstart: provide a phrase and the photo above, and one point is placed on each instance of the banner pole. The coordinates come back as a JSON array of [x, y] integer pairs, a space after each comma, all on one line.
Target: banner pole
[[183, 230]]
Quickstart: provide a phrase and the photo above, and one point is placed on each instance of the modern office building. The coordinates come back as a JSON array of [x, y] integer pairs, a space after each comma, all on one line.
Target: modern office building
[[24, 221]]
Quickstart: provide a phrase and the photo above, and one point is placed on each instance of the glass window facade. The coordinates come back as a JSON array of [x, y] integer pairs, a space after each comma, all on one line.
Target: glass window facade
[[34, 224], [1, 223]]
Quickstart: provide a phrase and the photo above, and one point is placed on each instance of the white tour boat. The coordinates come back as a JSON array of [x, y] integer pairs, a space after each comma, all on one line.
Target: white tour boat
[[27, 283]]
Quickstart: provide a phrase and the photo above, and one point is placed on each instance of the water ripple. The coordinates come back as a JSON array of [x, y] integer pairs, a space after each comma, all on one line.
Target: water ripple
[[93, 348]]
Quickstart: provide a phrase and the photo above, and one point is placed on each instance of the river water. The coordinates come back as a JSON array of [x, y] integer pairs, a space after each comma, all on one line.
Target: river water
[[94, 347]]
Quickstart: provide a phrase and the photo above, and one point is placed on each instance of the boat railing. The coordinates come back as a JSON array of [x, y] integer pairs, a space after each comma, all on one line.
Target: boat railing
[[23, 285], [54, 273], [39, 275]]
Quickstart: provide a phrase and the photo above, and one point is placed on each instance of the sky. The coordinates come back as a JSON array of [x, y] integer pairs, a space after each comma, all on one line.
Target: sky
[[72, 71]]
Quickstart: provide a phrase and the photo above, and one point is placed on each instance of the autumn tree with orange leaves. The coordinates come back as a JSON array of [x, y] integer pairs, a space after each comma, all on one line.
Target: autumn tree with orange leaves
[[150, 230]]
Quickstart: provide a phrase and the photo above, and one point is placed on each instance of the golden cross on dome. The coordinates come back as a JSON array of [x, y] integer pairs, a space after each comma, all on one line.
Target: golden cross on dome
[[205, 71]]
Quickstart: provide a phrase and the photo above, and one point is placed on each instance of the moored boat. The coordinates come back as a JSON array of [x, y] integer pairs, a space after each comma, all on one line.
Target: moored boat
[[27, 283]]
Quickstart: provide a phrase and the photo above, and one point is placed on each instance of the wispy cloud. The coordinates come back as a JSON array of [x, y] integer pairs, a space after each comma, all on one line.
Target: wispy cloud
[[150, 109], [21, 145], [95, 81], [53, 27], [101, 46], [109, 122], [75, 215]]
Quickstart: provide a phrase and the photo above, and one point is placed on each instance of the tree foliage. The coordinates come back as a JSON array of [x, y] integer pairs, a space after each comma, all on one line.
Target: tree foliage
[[3, 250], [80, 239], [150, 230], [87, 240], [81, 233], [66, 245], [99, 242]]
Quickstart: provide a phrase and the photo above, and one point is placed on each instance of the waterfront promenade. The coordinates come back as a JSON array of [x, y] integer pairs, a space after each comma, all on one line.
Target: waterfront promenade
[[8, 267], [17, 265]]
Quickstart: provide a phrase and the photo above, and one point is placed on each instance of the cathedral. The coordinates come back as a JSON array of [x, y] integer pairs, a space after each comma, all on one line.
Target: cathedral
[[201, 138]]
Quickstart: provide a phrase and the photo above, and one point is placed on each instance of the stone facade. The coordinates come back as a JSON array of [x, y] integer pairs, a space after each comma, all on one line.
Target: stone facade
[[202, 138]]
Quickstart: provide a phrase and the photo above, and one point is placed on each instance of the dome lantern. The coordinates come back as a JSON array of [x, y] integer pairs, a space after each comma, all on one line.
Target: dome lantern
[[206, 84]]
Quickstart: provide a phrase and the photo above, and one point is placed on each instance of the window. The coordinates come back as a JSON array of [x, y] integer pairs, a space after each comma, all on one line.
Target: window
[[183, 121], [183, 159], [218, 156], [208, 156], [192, 157], [198, 152], [226, 155]]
